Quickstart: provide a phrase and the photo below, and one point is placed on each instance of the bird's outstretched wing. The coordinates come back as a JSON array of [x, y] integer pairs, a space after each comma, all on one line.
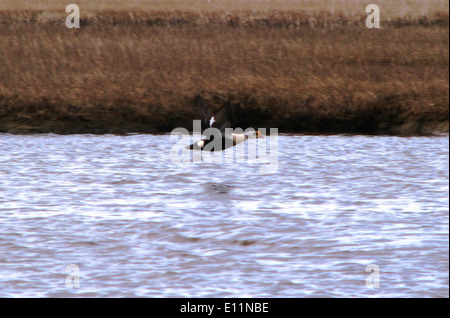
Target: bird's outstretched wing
[[221, 120], [203, 111], [224, 118]]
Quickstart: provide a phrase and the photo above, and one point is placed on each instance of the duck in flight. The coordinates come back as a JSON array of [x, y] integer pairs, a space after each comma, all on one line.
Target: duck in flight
[[218, 137]]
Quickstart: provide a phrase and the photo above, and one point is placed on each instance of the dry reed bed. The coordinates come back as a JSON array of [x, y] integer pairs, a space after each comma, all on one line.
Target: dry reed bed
[[139, 71]]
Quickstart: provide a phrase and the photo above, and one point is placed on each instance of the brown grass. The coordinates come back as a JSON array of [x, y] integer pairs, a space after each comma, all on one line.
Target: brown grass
[[298, 70]]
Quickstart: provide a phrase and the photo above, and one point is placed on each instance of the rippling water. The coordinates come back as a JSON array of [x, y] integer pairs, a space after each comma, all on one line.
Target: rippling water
[[342, 216]]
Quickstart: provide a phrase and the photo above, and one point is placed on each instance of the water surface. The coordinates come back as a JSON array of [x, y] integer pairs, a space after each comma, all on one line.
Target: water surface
[[135, 223]]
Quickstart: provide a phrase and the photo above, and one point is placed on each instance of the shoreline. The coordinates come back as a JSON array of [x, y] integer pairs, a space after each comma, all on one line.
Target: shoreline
[[119, 123]]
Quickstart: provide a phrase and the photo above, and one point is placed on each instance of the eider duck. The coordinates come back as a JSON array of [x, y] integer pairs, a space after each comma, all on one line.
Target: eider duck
[[218, 136]]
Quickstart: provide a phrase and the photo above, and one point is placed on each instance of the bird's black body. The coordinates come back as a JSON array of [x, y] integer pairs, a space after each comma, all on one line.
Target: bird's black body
[[214, 127], [214, 143]]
